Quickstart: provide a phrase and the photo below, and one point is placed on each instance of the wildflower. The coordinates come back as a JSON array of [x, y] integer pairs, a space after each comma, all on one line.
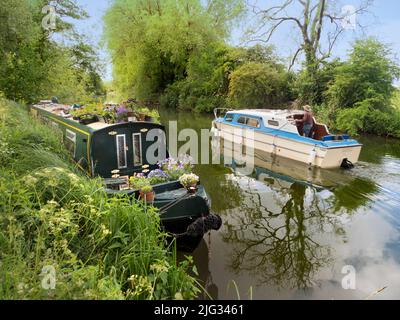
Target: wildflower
[[21, 287], [30, 180], [159, 267], [140, 284], [105, 230], [74, 178], [178, 296], [53, 203]]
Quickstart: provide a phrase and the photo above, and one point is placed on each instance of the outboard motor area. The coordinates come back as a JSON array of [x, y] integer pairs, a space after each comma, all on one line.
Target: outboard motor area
[[347, 164]]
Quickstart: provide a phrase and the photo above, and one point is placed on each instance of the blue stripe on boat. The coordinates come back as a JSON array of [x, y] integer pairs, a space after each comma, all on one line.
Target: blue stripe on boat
[[289, 135]]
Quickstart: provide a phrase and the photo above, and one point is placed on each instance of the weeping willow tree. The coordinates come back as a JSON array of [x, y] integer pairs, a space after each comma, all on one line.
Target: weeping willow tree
[[151, 41]]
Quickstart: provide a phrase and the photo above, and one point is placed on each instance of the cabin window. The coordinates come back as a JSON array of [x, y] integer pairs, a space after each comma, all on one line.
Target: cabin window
[[273, 123], [70, 142], [229, 118], [242, 120], [121, 151], [253, 123], [137, 149]]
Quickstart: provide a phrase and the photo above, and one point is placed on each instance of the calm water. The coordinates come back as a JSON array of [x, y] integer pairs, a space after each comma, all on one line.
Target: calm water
[[288, 232]]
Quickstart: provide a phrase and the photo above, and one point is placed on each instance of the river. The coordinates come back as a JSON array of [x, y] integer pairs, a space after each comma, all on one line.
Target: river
[[293, 233]]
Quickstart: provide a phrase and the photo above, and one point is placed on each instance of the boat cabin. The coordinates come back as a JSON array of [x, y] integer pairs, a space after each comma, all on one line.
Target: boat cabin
[[105, 149], [283, 120]]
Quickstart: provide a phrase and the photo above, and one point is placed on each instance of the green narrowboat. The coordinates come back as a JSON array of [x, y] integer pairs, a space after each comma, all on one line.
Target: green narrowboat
[[115, 152]]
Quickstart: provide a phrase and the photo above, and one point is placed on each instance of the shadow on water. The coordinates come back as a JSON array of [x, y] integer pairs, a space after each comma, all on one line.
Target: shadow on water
[[288, 230]]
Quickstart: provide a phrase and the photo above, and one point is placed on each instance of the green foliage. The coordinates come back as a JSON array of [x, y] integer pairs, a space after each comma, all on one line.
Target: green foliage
[[396, 100], [207, 85], [366, 117], [137, 182], [162, 46], [100, 247], [369, 74], [33, 66], [311, 88], [146, 189], [360, 92], [256, 85]]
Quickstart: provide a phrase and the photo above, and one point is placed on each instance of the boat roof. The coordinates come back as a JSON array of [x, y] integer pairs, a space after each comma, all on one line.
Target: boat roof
[[278, 113], [58, 110]]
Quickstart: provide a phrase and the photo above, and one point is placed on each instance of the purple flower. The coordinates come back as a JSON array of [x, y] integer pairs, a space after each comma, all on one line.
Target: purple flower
[[158, 173], [121, 110]]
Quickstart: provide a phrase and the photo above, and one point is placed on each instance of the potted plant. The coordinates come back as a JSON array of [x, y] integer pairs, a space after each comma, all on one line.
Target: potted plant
[[138, 181], [189, 181], [122, 114], [108, 115], [158, 176], [147, 194], [88, 119]]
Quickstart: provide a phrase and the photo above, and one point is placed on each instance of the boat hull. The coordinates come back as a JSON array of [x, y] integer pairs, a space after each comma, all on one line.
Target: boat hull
[[308, 153]]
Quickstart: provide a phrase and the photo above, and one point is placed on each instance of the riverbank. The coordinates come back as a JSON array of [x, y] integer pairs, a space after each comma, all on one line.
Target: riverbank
[[62, 238]]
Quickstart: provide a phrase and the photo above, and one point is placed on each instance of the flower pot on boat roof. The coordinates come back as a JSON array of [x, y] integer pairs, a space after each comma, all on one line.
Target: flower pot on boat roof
[[147, 194], [190, 182], [141, 116], [88, 119]]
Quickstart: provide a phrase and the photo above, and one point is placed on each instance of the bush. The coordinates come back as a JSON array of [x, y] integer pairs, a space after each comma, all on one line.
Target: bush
[[311, 89], [366, 118], [170, 97], [369, 74], [256, 85]]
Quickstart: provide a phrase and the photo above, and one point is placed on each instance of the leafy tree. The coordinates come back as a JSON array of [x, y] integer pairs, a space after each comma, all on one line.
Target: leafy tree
[[369, 74], [32, 64], [86, 64], [152, 41], [360, 96], [256, 85], [319, 24], [313, 89]]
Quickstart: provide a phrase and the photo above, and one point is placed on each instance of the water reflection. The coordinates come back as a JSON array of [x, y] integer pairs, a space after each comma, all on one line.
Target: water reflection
[[288, 231], [278, 246], [274, 224]]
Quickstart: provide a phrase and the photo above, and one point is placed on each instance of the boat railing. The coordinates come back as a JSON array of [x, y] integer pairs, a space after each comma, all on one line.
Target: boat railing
[[218, 112]]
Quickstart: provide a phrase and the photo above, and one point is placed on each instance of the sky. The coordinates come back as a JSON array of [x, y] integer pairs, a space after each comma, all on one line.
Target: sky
[[382, 22]]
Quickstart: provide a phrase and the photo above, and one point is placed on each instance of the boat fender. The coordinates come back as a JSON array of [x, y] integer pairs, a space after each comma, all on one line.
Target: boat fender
[[215, 132], [313, 155], [204, 224]]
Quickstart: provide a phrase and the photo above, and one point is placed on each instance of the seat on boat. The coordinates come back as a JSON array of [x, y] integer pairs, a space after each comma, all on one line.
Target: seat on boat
[[319, 131]]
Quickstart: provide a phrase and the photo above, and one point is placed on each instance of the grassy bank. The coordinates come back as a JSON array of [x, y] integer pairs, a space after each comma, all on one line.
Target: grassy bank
[[54, 219]]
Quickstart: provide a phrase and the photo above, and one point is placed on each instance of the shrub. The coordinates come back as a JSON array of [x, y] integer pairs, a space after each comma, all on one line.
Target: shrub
[[256, 85], [369, 74], [366, 118]]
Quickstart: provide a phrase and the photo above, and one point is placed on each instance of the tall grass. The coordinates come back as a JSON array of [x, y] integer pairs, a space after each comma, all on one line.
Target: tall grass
[[51, 215]]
